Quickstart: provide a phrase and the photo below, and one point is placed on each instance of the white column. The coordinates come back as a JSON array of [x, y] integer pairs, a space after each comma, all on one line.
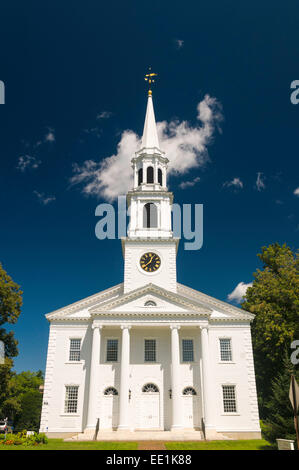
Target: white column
[[175, 378], [124, 379], [208, 388], [93, 380]]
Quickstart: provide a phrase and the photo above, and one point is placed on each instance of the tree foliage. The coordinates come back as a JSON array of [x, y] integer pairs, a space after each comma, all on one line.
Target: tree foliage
[[280, 421], [10, 309], [23, 400], [274, 299]]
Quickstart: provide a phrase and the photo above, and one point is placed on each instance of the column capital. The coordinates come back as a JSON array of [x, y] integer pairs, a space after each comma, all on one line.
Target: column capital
[[95, 325], [175, 327], [204, 327], [126, 327]]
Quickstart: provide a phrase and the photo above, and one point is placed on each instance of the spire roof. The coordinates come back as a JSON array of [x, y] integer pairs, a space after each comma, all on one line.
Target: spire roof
[[150, 134]]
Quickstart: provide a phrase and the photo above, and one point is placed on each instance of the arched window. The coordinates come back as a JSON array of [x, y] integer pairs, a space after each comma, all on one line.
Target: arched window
[[150, 174], [150, 388], [189, 391], [110, 391], [140, 176], [160, 180], [150, 215], [150, 303]]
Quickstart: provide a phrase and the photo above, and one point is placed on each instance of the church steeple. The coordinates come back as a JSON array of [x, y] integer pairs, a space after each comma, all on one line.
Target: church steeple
[[150, 134], [150, 247], [150, 163]]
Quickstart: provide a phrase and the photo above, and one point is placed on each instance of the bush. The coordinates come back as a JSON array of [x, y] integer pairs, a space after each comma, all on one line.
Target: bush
[[22, 439]]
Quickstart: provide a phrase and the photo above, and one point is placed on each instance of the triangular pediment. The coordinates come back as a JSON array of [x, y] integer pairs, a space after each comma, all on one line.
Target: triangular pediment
[[185, 301], [166, 302]]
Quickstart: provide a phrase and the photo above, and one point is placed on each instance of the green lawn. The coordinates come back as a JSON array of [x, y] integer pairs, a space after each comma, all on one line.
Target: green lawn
[[59, 444], [258, 444]]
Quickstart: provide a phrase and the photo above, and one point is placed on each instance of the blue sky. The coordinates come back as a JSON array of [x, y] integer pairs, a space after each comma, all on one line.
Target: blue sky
[[73, 73]]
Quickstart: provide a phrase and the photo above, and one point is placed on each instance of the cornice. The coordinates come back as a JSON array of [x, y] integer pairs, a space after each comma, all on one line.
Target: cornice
[[151, 239], [149, 194]]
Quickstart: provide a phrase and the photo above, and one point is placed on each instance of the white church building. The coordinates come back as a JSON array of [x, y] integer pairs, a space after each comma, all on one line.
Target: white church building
[[150, 353]]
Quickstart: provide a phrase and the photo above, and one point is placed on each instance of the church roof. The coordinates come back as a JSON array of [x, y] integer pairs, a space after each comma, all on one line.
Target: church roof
[[186, 301]]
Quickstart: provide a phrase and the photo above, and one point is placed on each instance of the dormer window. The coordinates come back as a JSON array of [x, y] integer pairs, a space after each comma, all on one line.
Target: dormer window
[[150, 303]]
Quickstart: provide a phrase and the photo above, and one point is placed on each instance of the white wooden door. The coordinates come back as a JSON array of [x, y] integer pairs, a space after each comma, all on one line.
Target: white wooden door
[[150, 406], [109, 415], [191, 411]]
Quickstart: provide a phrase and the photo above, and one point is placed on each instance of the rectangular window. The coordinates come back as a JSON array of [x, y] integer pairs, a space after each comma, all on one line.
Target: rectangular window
[[71, 399], [229, 398], [149, 350], [112, 350], [225, 349], [188, 353], [75, 347]]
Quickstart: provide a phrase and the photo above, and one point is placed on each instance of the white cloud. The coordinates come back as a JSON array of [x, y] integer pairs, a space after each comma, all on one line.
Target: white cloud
[[237, 294], [179, 43], [27, 162], [44, 199], [235, 183], [189, 184], [104, 115], [185, 146], [259, 184], [296, 192], [50, 135]]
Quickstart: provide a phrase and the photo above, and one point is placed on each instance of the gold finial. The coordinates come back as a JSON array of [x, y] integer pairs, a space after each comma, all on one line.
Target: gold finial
[[149, 78]]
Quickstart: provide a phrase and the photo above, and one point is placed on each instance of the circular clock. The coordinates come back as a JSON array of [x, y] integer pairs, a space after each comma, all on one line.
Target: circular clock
[[150, 262]]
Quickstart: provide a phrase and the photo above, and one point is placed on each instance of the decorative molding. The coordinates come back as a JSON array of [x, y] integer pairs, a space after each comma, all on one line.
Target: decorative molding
[[140, 291], [198, 303]]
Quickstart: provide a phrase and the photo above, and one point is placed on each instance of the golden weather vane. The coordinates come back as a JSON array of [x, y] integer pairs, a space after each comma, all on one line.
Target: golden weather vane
[[149, 77]]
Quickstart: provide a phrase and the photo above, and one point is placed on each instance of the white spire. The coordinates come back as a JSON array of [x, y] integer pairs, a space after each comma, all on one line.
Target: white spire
[[150, 135]]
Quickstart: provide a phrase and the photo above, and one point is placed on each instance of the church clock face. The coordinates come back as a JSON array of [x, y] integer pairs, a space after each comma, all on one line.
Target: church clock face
[[150, 262]]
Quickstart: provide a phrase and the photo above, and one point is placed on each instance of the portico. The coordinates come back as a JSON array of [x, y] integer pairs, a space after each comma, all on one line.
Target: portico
[[130, 394]]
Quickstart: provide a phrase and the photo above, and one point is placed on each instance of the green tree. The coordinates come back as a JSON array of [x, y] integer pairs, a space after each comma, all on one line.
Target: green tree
[[280, 420], [18, 405], [274, 299], [10, 309], [29, 416]]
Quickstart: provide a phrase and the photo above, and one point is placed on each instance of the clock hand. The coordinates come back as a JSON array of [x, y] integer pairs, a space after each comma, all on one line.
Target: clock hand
[[149, 261]]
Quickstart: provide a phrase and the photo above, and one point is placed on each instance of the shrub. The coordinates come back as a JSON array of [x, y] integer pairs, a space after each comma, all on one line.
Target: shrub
[[22, 439]]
